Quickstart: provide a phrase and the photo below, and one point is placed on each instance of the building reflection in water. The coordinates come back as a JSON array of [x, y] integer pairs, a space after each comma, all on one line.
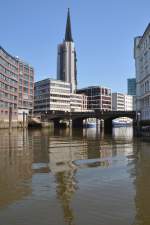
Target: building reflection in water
[[15, 166], [62, 156], [142, 183], [68, 154], [123, 133], [40, 142], [93, 133]]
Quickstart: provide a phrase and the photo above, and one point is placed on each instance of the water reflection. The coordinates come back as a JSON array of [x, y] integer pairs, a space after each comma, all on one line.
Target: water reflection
[[15, 166], [123, 133], [63, 153], [69, 154], [74, 178], [142, 184]]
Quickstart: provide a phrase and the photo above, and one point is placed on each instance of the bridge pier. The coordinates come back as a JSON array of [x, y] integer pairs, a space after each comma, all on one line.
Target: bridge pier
[[108, 125], [77, 123], [56, 123], [102, 124]]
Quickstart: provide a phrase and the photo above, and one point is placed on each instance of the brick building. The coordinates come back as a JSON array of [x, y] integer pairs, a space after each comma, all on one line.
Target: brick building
[[16, 86]]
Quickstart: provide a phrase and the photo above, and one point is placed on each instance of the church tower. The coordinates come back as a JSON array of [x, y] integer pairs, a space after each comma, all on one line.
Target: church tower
[[66, 59]]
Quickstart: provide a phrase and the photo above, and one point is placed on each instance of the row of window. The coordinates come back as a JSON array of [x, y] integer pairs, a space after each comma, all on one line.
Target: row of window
[[52, 95], [7, 64], [76, 105], [146, 43], [7, 87], [8, 80], [60, 85], [8, 57], [48, 85], [52, 100], [43, 91], [145, 87], [24, 68], [96, 91], [6, 105], [8, 96], [8, 72], [25, 104], [25, 83], [25, 90], [51, 106], [26, 76]]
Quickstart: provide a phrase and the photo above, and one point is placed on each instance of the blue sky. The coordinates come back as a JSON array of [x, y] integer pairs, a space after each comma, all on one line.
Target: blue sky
[[103, 31]]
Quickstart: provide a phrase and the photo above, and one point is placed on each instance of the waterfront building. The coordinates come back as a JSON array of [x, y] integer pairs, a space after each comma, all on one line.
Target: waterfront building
[[8, 85], [98, 98], [118, 102], [122, 102], [66, 59], [142, 66], [50, 95], [128, 102], [56, 95], [78, 102], [16, 86], [26, 88]]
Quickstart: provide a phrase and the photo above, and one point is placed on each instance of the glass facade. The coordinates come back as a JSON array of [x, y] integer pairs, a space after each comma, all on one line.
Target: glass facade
[[132, 86]]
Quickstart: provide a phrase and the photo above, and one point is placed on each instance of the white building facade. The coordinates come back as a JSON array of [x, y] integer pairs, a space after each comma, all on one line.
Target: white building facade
[[128, 102], [142, 66], [122, 102], [56, 95]]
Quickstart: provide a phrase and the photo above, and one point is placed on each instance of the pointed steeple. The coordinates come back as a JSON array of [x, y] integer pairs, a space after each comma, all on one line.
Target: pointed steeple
[[68, 35]]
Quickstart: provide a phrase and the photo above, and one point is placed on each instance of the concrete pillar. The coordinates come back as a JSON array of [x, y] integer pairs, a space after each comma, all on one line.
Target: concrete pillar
[[10, 119], [102, 124], [56, 123], [24, 120], [97, 123], [108, 126], [76, 123], [70, 124], [85, 122]]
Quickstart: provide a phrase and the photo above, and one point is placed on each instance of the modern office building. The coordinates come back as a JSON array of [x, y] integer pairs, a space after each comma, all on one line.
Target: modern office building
[[122, 102], [98, 98], [131, 82], [16, 86], [78, 102], [56, 95], [66, 59], [51, 95], [142, 65], [128, 102], [118, 102]]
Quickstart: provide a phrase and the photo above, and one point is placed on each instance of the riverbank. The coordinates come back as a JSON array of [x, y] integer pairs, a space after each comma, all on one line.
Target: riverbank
[[20, 124], [14, 124]]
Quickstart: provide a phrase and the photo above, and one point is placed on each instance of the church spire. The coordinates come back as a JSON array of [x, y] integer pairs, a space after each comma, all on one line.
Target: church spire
[[68, 35]]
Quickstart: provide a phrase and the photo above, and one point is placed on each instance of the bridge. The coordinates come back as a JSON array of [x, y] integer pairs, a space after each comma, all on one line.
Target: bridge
[[78, 117]]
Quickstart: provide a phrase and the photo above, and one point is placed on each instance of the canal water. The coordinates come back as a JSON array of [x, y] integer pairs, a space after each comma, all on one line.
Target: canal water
[[81, 177]]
